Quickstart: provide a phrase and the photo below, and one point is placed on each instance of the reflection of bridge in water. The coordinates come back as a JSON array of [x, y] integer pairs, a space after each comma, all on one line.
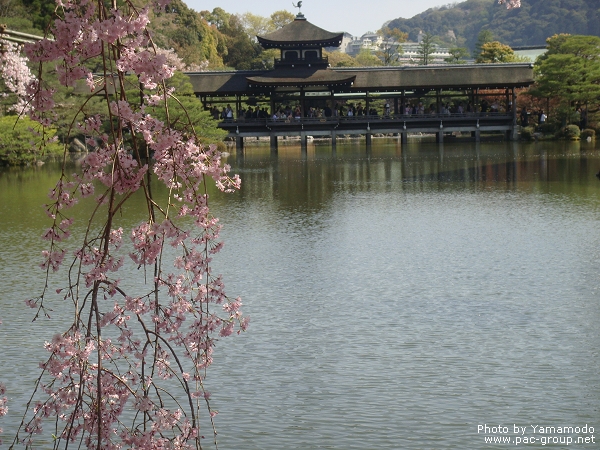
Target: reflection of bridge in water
[[368, 125]]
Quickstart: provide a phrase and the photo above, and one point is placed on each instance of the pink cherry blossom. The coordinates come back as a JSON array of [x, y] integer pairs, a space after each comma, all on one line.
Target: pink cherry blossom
[[106, 377], [16, 75]]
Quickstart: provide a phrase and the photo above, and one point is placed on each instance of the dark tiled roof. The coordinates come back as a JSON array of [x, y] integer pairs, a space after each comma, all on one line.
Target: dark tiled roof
[[440, 77], [303, 76], [222, 82], [370, 79], [300, 33]]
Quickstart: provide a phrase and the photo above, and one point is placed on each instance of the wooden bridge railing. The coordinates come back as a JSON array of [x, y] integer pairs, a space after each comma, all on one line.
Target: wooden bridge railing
[[455, 117]]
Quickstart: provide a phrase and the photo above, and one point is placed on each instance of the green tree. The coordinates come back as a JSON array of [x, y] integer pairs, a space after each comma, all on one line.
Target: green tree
[[189, 34], [16, 136], [40, 12], [496, 52], [457, 55], [265, 60], [483, 38], [281, 18], [240, 50], [569, 72], [390, 49], [256, 25], [367, 59], [426, 48], [340, 59], [186, 108]]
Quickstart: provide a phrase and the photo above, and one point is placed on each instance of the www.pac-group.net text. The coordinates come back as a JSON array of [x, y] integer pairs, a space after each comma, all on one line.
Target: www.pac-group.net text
[[537, 434]]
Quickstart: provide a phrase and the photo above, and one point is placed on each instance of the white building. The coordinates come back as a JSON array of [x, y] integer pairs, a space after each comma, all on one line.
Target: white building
[[352, 45]]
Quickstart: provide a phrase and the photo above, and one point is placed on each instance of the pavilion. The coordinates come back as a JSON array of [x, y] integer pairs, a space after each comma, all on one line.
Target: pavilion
[[303, 77]]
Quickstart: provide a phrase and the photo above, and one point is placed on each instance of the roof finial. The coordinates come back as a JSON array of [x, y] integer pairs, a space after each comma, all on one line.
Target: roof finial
[[298, 5]]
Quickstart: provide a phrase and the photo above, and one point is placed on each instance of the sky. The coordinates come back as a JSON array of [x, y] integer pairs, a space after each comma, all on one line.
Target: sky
[[353, 16]]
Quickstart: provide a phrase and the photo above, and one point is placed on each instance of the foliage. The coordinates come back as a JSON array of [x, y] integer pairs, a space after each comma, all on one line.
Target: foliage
[[256, 25], [548, 127], [530, 24], [18, 138], [185, 30], [569, 72], [426, 48], [496, 52], [40, 12], [130, 370], [527, 133], [390, 49], [241, 49], [483, 38], [569, 132], [367, 59], [186, 109], [265, 60], [340, 59], [457, 55], [570, 69], [588, 133], [281, 18]]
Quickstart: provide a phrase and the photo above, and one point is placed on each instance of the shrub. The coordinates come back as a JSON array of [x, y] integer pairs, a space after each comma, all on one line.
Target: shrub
[[569, 132], [18, 138], [527, 133], [548, 128], [588, 132]]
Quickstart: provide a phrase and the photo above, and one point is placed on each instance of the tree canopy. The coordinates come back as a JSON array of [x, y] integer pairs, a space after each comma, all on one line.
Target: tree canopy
[[496, 52], [570, 71], [530, 24]]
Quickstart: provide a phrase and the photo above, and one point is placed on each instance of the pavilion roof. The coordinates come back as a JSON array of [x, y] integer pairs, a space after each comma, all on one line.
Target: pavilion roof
[[300, 33]]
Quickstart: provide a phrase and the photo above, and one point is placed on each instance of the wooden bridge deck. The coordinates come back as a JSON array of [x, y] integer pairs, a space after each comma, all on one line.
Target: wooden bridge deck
[[368, 125]]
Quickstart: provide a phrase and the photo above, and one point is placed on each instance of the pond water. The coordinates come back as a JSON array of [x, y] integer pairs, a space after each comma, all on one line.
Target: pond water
[[401, 298]]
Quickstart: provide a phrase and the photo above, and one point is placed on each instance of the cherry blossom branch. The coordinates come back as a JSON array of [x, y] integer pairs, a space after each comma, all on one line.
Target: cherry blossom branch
[[113, 364]]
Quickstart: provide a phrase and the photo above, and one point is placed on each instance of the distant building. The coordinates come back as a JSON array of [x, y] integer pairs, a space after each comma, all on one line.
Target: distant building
[[370, 41], [531, 52], [411, 54], [373, 42]]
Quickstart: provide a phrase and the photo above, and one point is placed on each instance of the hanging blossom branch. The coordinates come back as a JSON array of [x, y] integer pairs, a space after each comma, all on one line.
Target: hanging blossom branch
[[15, 73], [129, 371]]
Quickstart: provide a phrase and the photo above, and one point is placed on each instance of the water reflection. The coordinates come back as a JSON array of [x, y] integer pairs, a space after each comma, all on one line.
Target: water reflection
[[312, 178], [399, 297]]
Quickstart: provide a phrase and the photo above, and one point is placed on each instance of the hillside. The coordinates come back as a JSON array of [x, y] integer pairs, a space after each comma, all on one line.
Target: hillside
[[531, 24]]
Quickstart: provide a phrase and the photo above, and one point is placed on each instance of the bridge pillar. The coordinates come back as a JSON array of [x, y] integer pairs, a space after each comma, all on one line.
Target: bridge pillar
[[274, 144], [439, 137], [368, 139], [404, 137], [303, 142], [239, 144], [333, 139], [477, 136]]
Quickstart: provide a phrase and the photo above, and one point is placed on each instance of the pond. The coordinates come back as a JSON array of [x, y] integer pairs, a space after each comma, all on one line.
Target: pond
[[425, 297]]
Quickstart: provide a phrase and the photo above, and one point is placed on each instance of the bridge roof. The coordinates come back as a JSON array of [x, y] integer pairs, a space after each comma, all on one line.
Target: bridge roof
[[443, 76], [373, 79]]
